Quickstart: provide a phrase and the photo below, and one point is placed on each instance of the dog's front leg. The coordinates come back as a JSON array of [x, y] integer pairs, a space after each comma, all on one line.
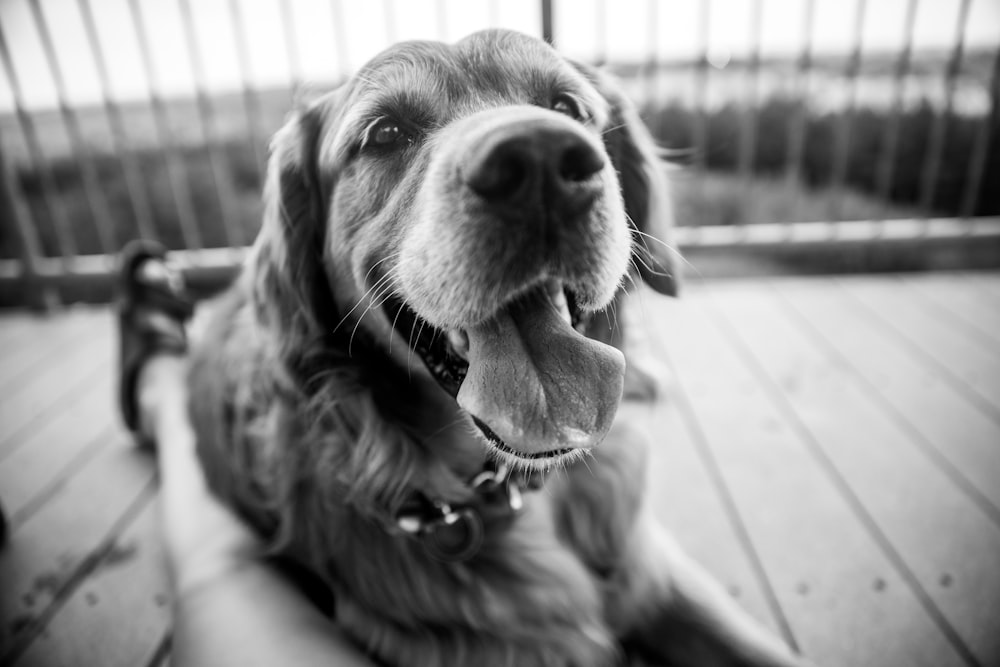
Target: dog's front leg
[[679, 615]]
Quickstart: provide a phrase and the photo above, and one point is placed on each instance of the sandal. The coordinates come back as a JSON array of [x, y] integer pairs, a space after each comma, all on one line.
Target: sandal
[[153, 307]]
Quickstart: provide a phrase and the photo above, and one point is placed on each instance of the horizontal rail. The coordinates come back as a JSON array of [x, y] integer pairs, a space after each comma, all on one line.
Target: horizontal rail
[[875, 233], [212, 268]]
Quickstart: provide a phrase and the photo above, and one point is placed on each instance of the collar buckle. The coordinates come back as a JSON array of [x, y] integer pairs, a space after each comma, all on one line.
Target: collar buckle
[[456, 533]]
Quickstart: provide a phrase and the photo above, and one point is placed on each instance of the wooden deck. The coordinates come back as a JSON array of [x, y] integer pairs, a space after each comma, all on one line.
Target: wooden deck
[[828, 447]]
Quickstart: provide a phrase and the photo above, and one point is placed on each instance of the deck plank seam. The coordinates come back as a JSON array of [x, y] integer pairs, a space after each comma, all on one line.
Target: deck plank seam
[[843, 488], [989, 342], [57, 341], [955, 318], [94, 448], [987, 281], [20, 642], [968, 392], [161, 655], [16, 438], [733, 515], [912, 434]]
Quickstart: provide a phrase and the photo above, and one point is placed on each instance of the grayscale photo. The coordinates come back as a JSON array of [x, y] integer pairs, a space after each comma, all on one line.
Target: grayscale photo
[[500, 333]]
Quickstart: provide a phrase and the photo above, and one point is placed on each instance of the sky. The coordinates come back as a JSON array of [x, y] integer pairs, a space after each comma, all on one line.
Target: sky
[[323, 40]]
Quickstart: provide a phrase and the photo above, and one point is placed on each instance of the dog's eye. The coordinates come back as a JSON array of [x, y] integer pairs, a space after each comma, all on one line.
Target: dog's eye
[[565, 104], [387, 132]]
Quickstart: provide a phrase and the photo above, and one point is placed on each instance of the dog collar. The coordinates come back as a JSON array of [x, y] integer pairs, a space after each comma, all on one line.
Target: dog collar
[[455, 533]]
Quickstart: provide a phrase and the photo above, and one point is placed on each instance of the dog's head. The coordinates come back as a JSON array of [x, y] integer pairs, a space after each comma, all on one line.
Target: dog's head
[[477, 202]]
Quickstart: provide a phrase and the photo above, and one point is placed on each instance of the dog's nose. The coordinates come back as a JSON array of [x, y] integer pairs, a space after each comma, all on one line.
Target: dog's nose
[[535, 163]]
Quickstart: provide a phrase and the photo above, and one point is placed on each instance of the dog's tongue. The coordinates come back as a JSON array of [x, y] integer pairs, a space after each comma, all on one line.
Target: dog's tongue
[[537, 383]]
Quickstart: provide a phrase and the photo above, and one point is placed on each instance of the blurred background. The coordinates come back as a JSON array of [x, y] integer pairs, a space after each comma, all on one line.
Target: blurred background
[[125, 118]]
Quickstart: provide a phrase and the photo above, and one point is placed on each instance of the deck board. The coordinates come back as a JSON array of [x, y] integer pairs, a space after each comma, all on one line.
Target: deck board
[[20, 360], [937, 418], [796, 516], [69, 366], [888, 479], [957, 357], [114, 601], [964, 307], [827, 447], [683, 495], [64, 541], [41, 461]]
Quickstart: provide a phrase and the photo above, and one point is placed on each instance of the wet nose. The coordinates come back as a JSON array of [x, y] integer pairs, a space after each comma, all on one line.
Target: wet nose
[[536, 163]]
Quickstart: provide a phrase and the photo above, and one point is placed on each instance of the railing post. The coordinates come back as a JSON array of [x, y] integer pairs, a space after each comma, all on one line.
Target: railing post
[[14, 208], [547, 30]]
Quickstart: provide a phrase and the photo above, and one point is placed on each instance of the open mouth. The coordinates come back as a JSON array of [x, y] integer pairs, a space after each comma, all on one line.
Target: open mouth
[[536, 388]]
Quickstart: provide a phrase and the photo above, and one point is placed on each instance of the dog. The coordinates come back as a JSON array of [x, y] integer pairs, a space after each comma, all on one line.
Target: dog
[[409, 390]]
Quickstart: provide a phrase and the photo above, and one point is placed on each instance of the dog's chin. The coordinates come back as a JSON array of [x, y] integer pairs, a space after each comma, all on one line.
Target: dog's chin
[[445, 353]]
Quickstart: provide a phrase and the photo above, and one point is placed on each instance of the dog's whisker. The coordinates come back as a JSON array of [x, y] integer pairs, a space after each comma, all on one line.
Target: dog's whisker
[[420, 329], [386, 292], [453, 423], [376, 265], [675, 252], [380, 299], [641, 256], [361, 300], [413, 332], [611, 129], [629, 277], [392, 328]]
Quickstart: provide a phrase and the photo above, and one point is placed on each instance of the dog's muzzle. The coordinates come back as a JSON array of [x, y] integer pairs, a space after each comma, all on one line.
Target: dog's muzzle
[[519, 230]]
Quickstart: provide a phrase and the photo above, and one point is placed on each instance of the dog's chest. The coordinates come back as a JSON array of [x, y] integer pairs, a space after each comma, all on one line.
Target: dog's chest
[[526, 599]]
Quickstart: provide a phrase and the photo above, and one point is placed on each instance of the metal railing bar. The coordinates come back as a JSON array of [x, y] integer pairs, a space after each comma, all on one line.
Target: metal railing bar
[[900, 233], [748, 125], [651, 65], [700, 133], [547, 24], [977, 163], [177, 182], [218, 163], [795, 148], [93, 193], [932, 160], [887, 158], [131, 170], [340, 38], [838, 174], [13, 206], [251, 103], [54, 205]]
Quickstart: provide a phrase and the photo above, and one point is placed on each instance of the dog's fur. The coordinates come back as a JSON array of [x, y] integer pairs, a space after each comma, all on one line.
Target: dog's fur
[[316, 420]]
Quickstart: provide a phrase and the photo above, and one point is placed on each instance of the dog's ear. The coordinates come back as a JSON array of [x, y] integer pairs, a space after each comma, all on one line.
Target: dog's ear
[[290, 287], [644, 186]]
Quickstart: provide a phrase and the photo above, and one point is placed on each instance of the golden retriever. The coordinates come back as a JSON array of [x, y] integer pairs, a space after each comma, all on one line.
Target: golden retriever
[[398, 392]]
